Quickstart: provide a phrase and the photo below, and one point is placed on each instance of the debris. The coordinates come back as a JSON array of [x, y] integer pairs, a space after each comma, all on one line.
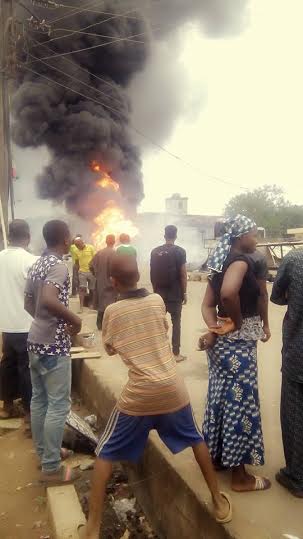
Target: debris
[[126, 535], [87, 465], [11, 455], [10, 424], [19, 488], [91, 420], [124, 508], [38, 524]]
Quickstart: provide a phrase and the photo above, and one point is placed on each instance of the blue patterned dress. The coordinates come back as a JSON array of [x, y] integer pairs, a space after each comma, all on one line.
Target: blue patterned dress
[[232, 423]]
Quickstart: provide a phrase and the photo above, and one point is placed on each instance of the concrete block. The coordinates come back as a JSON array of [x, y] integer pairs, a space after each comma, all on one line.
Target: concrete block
[[65, 512]]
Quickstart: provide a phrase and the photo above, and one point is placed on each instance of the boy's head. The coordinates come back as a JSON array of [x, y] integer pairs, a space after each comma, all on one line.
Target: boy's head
[[57, 236], [171, 233], [124, 272], [110, 240], [19, 233], [124, 239]]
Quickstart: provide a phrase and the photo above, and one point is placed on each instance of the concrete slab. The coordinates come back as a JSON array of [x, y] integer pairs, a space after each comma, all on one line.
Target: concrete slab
[[65, 512], [169, 488]]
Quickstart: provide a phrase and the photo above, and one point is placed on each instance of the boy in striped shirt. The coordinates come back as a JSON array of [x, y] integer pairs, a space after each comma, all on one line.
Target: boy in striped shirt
[[155, 396]]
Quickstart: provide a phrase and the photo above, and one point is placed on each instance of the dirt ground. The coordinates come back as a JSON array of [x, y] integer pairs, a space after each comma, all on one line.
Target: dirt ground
[[23, 511]]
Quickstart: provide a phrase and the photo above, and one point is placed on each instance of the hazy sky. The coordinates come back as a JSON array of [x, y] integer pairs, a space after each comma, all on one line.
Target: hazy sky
[[249, 129], [243, 119]]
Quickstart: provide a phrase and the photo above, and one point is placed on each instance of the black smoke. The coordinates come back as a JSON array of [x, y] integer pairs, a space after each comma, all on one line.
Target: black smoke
[[96, 125]]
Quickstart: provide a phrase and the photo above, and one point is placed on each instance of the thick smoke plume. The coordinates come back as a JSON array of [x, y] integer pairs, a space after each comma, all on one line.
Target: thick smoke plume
[[96, 125]]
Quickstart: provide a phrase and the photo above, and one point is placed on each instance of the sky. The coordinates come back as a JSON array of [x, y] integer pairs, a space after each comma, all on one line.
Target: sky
[[248, 129], [241, 121]]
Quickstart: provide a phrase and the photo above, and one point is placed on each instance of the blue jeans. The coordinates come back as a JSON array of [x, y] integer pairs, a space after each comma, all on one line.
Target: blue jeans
[[51, 383]]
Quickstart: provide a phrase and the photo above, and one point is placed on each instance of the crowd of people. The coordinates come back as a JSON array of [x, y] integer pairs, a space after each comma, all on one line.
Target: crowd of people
[[37, 326]]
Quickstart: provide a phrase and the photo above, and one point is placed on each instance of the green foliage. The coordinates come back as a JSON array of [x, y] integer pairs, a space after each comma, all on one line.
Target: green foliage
[[269, 208]]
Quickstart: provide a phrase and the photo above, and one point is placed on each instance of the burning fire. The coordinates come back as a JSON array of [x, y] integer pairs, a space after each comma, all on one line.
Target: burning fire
[[106, 182], [112, 219]]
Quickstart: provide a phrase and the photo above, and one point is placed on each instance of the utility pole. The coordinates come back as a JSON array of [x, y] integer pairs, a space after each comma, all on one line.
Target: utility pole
[[6, 64]]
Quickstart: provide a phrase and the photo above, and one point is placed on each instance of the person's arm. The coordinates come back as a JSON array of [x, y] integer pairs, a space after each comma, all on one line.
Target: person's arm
[[107, 336], [281, 284], [29, 305], [50, 297], [152, 276], [263, 308], [209, 308], [92, 265], [230, 289], [183, 275]]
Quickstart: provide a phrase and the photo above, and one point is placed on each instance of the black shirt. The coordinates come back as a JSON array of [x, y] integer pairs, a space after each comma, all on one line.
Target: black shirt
[[249, 291], [173, 291]]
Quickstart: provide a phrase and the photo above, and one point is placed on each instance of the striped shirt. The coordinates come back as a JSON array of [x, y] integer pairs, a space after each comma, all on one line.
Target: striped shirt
[[136, 329]]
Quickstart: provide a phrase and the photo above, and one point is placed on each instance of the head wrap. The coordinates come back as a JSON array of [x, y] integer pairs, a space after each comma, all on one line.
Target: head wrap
[[235, 227]]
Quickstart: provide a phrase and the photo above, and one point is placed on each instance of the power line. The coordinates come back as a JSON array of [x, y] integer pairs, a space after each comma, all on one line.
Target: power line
[[75, 12], [84, 33], [87, 27], [77, 80], [162, 148], [78, 67], [128, 38]]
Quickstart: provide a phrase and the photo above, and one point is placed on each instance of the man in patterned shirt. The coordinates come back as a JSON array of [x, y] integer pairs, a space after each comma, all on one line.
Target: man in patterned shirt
[[46, 299]]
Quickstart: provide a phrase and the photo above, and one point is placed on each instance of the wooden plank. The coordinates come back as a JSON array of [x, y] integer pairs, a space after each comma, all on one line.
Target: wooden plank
[[86, 355]]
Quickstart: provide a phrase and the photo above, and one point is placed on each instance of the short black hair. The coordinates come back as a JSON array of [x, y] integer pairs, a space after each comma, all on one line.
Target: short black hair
[[124, 238], [18, 230], [55, 232], [110, 240], [171, 232], [124, 268]]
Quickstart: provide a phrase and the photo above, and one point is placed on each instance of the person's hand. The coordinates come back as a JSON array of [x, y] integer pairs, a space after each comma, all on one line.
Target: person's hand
[[207, 341], [75, 327], [226, 326], [184, 302], [267, 334]]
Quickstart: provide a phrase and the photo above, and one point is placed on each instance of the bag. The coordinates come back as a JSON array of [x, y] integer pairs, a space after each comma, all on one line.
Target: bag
[[163, 267]]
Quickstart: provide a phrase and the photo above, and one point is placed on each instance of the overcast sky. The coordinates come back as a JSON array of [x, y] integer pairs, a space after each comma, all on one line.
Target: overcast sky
[[242, 120], [248, 129]]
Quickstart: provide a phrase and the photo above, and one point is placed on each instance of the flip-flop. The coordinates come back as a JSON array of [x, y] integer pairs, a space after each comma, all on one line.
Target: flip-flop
[[229, 515], [285, 483], [261, 483], [81, 531]]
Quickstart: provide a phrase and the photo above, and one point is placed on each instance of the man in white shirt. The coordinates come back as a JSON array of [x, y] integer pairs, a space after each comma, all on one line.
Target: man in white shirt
[[15, 322]]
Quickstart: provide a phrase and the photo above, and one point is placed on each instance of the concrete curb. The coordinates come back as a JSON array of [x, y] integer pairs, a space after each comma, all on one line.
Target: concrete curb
[[65, 512], [171, 505]]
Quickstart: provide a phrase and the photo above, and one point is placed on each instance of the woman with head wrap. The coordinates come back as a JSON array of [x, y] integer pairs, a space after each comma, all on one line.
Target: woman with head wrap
[[232, 423]]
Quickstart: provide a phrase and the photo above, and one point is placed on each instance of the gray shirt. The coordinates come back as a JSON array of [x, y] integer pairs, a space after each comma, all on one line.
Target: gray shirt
[[48, 333]]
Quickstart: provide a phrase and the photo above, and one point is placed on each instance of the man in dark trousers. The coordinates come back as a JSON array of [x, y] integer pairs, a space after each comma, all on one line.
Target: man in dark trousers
[[15, 322], [169, 279]]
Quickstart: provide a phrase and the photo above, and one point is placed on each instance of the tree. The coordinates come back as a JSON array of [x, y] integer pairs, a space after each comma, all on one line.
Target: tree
[[269, 208]]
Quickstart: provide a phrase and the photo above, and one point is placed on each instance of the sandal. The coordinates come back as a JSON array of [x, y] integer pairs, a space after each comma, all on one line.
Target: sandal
[[229, 515], [261, 483], [65, 475]]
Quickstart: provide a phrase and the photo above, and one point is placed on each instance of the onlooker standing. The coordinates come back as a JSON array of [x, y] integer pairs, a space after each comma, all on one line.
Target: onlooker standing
[[84, 257], [125, 247], [169, 279], [73, 252], [46, 298], [288, 290], [15, 322], [100, 267]]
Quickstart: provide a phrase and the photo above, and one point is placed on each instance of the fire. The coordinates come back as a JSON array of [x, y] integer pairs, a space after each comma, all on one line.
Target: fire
[[112, 221], [106, 182]]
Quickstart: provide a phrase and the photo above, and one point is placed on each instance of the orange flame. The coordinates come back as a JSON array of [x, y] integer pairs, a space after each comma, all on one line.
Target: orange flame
[[112, 221], [106, 182]]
